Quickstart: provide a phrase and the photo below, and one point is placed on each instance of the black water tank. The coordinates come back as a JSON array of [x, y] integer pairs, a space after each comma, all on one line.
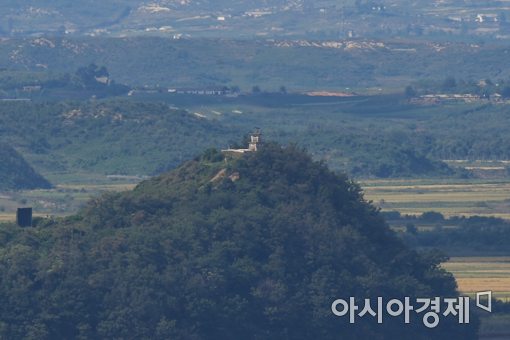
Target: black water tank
[[24, 217]]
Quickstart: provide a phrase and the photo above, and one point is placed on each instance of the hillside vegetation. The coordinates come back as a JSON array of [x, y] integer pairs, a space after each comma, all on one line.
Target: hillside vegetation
[[378, 136], [302, 65], [16, 173], [254, 248], [118, 137]]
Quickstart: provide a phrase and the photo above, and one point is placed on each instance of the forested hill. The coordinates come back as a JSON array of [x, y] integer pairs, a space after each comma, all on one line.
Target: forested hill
[[16, 173], [118, 137], [254, 248]]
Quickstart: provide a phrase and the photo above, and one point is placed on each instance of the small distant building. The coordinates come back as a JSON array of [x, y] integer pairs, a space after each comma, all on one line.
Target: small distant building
[[103, 80], [32, 88], [253, 145], [24, 217], [481, 18], [202, 91]]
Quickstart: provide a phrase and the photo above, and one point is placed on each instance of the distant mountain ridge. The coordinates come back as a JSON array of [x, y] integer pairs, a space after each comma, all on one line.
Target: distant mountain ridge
[[269, 18], [62, 16], [164, 62]]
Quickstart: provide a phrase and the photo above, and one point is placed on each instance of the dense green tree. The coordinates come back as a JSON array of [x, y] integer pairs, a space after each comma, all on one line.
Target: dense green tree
[[410, 92], [449, 83], [89, 75], [432, 216], [505, 92], [473, 236]]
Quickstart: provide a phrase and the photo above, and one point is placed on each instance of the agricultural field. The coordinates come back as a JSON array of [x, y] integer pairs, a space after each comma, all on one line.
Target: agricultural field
[[483, 197], [65, 199], [449, 197], [476, 274]]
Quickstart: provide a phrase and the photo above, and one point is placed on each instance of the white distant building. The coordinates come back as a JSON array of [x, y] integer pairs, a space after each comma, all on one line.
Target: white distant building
[[103, 80], [481, 18]]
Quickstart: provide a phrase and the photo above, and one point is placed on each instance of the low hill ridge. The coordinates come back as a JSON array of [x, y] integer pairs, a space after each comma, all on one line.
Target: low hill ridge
[[16, 173]]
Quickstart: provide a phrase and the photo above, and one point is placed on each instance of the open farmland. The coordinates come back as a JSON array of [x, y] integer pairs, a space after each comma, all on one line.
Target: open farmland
[[476, 274], [408, 196], [451, 198], [65, 199]]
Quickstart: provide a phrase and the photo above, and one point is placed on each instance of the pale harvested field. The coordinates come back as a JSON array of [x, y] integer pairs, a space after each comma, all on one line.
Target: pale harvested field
[[476, 274], [415, 197], [11, 217], [7, 217], [99, 187]]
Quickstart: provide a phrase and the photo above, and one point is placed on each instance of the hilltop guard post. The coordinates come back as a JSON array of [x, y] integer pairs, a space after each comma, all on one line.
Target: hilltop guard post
[[253, 145]]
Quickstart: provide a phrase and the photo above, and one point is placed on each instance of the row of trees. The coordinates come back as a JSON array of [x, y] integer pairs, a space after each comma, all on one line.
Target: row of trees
[[473, 236], [484, 88], [91, 78]]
